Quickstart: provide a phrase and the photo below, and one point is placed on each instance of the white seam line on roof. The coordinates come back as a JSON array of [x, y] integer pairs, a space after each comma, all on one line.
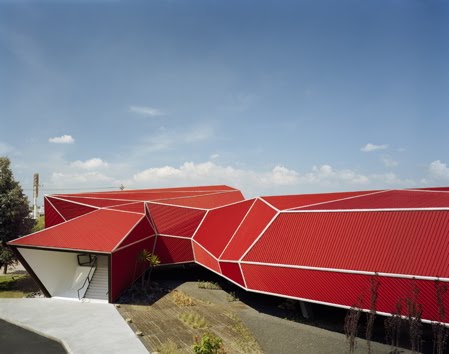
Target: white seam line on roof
[[150, 218], [127, 234], [48, 200], [205, 250], [64, 196], [175, 205], [243, 274], [363, 210], [73, 202], [199, 225], [268, 203], [175, 236], [347, 271], [341, 199], [424, 190], [194, 196], [260, 235], [237, 229], [134, 243], [230, 204], [122, 204], [53, 248]]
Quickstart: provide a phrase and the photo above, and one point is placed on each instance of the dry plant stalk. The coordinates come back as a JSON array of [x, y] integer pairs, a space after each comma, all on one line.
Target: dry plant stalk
[[440, 332], [414, 312], [352, 324], [393, 326], [371, 315]]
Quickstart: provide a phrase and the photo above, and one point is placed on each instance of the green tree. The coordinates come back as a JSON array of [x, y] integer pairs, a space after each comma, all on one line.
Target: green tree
[[14, 212]]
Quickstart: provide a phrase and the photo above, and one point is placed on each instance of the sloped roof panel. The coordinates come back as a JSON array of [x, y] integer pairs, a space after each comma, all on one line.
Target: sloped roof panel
[[142, 230], [52, 217], [100, 231], [284, 202], [137, 207], [252, 226], [341, 288], [232, 271], [389, 199], [208, 201], [204, 258], [68, 209], [96, 202], [173, 250], [173, 220], [219, 225], [389, 241]]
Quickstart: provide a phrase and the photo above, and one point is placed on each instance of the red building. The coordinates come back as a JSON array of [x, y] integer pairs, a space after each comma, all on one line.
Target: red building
[[321, 248]]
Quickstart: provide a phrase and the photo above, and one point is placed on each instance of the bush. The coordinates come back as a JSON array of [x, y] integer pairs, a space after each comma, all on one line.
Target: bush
[[209, 344]]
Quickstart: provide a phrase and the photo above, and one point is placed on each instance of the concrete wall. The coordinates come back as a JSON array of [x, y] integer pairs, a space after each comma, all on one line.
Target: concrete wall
[[58, 271]]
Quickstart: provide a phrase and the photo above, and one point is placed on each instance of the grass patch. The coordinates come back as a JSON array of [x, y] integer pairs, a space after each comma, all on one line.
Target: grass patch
[[182, 299], [169, 347], [16, 285], [244, 337], [193, 319], [210, 285]]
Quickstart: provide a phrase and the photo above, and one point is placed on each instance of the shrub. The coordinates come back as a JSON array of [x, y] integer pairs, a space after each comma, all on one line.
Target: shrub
[[182, 299], [209, 344], [210, 285]]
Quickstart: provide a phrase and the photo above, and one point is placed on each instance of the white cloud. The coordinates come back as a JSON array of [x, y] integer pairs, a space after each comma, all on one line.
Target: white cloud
[[372, 147], [214, 156], [87, 179], [438, 170], [64, 139], [388, 161], [146, 111], [90, 164]]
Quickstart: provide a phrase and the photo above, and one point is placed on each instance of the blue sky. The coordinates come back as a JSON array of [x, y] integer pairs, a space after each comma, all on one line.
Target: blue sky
[[272, 97]]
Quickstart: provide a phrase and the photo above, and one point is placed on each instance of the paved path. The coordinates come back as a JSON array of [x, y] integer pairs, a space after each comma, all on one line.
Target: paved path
[[80, 327]]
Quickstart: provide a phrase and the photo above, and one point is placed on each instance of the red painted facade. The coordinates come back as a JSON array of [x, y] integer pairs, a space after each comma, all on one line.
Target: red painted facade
[[323, 248]]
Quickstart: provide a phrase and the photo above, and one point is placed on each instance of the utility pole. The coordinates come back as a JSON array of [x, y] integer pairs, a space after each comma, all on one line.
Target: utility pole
[[35, 194]]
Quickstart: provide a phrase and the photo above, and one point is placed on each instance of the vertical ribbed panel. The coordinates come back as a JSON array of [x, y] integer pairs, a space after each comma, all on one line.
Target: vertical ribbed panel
[[256, 220], [176, 221], [342, 288], [219, 226], [70, 210], [126, 268], [389, 242], [232, 271], [141, 230], [205, 259], [173, 250], [52, 217]]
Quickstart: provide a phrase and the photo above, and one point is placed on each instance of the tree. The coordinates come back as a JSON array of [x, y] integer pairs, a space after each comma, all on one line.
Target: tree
[[14, 212]]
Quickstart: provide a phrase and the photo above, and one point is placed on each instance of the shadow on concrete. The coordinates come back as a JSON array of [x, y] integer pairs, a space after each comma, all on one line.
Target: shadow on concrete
[[17, 340]]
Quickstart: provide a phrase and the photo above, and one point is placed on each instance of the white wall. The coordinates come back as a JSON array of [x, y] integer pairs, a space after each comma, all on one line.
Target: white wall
[[58, 271]]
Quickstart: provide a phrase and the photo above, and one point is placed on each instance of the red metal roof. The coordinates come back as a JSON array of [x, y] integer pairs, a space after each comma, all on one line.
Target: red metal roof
[[284, 202], [319, 247], [100, 231]]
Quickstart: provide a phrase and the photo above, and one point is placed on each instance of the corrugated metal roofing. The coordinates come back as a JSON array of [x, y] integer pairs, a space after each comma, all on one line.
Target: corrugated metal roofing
[[400, 242], [173, 220], [252, 226], [100, 230], [389, 199], [219, 225], [173, 250], [337, 243], [69, 210], [207, 201]]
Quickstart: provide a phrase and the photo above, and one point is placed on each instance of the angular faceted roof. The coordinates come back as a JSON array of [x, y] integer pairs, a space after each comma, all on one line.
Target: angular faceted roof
[[101, 221]]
